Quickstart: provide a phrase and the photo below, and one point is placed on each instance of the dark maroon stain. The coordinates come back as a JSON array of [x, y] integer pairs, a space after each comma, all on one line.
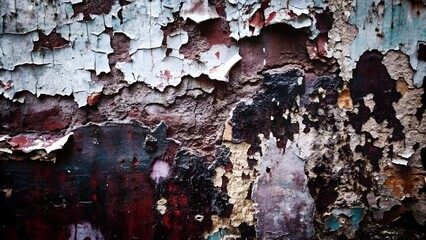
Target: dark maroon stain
[[421, 53], [399, 211], [52, 41], [324, 21], [321, 44], [390, 152], [37, 114], [278, 87], [309, 124], [96, 7], [204, 35], [190, 193], [123, 2], [283, 45], [373, 153], [416, 146], [362, 176], [278, 94], [408, 226], [312, 85], [371, 76], [102, 176], [222, 159]]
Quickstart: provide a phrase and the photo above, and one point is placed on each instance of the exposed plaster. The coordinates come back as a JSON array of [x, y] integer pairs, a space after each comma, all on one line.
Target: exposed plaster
[[311, 117]]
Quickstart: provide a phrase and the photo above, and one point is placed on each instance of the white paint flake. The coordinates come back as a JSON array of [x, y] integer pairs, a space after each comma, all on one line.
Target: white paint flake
[[67, 70], [198, 11], [25, 16], [35, 147], [153, 67], [247, 18], [59, 71]]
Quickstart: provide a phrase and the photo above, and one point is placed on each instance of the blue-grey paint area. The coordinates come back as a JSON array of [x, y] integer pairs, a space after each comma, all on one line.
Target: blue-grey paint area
[[389, 25], [285, 206]]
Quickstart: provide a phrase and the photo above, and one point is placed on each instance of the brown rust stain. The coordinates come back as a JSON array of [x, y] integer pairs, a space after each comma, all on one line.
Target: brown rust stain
[[404, 181], [345, 100]]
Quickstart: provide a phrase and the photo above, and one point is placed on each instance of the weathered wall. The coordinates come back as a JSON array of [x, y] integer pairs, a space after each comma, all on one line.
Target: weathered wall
[[219, 119]]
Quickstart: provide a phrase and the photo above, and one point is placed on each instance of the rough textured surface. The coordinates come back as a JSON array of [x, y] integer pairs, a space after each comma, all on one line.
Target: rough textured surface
[[212, 119]]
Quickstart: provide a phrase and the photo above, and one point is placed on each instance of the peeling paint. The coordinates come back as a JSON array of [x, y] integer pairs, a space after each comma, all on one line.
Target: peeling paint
[[34, 147], [219, 119], [198, 11]]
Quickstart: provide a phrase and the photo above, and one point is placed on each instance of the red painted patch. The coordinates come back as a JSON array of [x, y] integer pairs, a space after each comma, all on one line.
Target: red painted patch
[[93, 98], [270, 17], [169, 154], [321, 44], [136, 162], [292, 15], [19, 141], [257, 20], [217, 55]]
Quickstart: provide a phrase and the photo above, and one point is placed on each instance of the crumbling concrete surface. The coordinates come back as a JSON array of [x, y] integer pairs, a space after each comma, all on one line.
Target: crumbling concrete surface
[[212, 119]]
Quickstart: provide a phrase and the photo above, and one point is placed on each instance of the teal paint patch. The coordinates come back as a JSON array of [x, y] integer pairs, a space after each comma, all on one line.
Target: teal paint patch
[[393, 25], [357, 216], [219, 235], [332, 223], [385, 25]]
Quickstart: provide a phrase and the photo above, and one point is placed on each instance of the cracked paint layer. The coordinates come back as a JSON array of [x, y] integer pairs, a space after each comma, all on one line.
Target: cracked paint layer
[[218, 119], [247, 18], [88, 46]]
